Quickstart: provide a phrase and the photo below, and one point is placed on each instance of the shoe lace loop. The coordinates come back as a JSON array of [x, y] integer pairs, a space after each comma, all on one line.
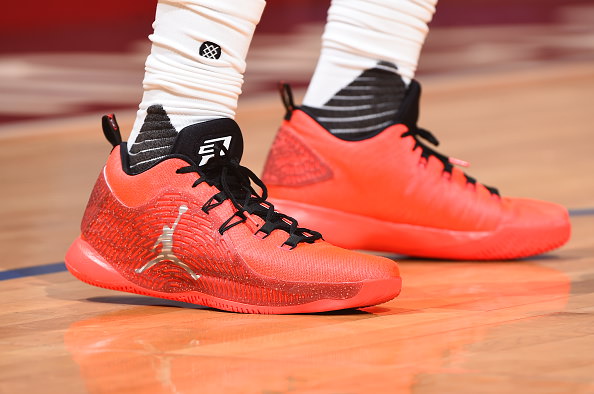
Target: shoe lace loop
[[448, 163], [235, 184]]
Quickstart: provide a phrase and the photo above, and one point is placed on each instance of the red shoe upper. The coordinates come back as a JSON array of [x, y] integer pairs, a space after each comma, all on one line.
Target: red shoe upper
[[394, 178], [126, 214]]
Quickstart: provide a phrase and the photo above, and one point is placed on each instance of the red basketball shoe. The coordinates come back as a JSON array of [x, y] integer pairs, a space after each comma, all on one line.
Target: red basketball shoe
[[394, 193], [201, 234]]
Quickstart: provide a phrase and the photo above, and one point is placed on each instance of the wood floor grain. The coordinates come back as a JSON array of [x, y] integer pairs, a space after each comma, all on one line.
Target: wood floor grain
[[519, 327]]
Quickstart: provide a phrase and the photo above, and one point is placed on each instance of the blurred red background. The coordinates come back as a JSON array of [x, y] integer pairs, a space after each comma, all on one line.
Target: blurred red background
[[71, 57], [76, 25]]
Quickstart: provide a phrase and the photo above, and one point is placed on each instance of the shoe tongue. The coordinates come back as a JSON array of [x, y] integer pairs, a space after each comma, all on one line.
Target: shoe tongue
[[198, 141], [408, 113]]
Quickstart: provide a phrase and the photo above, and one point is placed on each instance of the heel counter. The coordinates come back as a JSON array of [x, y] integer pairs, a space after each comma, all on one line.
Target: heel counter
[[292, 163], [97, 200]]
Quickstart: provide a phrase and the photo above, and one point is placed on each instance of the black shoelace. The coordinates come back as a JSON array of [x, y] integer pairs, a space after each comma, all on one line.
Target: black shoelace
[[235, 184], [417, 132]]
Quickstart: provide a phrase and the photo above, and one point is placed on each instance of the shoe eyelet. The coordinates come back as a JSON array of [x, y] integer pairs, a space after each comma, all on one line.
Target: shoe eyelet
[[286, 247]]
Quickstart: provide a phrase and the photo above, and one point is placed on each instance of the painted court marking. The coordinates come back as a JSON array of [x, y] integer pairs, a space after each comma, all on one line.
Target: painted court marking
[[32, 271]]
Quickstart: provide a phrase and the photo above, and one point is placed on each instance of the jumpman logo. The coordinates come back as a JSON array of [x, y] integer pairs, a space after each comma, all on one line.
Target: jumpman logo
[[166, 254]]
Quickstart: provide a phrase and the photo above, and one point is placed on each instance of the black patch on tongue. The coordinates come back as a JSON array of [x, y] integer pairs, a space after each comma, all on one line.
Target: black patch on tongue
[[409, 108], [198, 141]]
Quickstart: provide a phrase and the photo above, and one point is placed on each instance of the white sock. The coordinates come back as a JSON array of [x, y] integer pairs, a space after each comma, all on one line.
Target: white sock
[[361, 33], [197, 61]]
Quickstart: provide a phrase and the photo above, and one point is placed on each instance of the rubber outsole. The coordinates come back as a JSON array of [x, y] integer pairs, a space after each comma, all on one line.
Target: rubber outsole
[[353, 231], [87, 265]]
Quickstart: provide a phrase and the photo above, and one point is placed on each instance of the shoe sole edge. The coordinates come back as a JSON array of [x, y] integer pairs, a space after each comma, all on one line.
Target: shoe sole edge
[[84, 263], [503, 243]]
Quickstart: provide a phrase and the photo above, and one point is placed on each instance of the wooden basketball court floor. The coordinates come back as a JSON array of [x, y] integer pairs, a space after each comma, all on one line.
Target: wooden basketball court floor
[[458, 327]]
